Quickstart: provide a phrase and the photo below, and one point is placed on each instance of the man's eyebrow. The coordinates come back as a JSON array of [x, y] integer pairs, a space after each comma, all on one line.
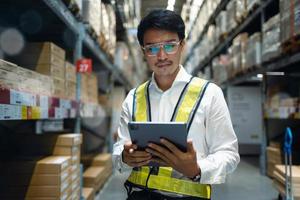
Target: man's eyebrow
[[171, 40]]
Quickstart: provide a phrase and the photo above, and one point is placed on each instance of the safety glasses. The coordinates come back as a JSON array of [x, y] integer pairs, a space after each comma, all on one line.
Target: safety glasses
[[168, 47]]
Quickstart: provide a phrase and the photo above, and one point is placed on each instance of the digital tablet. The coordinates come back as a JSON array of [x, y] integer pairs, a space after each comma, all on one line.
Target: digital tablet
[[142, 133]]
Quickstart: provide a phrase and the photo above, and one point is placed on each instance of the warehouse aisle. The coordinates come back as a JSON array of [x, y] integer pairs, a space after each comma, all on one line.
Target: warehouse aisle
[[245, 182]]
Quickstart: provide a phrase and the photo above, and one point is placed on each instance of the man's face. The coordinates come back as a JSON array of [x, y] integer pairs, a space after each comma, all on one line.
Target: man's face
[[163, 58]]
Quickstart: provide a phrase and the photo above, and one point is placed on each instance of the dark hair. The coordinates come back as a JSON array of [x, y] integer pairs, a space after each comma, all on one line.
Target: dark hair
[[161, 19]]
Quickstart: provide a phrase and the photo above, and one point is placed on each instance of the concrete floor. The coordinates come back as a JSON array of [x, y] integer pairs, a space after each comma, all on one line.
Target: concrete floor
[[245, 183]]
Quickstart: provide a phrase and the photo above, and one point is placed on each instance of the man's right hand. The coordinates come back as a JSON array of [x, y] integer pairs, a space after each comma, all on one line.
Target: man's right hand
[[134, 158]]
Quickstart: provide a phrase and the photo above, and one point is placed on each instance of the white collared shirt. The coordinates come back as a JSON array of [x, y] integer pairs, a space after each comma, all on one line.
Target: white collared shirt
[[212, 133]]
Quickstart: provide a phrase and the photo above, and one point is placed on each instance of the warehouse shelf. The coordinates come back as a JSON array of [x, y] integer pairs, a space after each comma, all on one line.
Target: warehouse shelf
[[224, 44], [211, 20], [71, 22], [278, 63], [19, 105]]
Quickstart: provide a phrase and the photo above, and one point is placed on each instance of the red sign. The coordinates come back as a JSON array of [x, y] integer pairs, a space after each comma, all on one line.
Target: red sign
[[84, 66]]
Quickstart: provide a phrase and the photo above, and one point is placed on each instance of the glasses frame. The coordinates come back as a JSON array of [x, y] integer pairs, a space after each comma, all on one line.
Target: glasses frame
[[177, 43]]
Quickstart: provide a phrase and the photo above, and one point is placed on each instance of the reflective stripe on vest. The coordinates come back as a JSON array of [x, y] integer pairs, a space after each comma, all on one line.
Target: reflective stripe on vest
[[186, 109]]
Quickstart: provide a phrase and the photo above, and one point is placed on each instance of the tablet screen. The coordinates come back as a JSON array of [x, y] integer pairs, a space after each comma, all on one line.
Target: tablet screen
[[142, 133]]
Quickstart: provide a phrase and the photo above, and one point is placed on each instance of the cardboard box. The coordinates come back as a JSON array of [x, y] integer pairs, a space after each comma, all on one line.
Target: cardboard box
[[92, 176], [45, 48], [70, 74], [103, 159], [88, 193], [37, 165], [8, 66], [66, 151], [21, 179], [72, 139], [52, 165], [53, 69]]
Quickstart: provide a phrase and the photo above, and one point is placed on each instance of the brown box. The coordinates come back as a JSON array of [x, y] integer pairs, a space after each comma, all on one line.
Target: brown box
[[45, 48], [52, 165], [103, 159], [72, 139], [70, 74], [52, 69], [88, 193], [66, 151], [92, 176]]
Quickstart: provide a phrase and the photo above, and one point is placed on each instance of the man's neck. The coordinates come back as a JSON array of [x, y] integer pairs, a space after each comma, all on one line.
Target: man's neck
[[165, 82]]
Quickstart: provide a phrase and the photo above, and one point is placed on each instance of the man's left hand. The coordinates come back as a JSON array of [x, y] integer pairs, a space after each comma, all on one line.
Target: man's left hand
[[170, 155]]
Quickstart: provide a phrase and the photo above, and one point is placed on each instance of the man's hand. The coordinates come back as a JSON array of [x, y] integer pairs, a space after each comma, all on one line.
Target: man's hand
[[135, 158], [183, 162]]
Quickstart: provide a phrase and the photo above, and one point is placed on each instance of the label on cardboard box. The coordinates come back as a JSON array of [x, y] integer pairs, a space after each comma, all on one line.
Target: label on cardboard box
[[44, 101], [15, 97], [44, 113], [59, 113], [64, 103], [35, 112], [10, 112], [72, 113]]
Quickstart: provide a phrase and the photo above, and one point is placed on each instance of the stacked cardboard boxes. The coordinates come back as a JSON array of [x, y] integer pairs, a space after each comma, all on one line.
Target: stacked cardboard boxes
[[70, 80], [18, 78], [239, 48], [48, 59], [99, 171], [271, 38], [91, 12], [279, 180], [273, 158], [70, 145], [253, 51], [28, 178], [289, 19], [89, 88]]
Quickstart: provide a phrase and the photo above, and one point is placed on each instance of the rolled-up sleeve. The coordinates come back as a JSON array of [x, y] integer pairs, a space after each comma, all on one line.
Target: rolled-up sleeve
[[222, 156]]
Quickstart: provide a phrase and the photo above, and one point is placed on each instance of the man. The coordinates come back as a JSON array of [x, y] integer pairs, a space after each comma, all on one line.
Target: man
[[172, 93]]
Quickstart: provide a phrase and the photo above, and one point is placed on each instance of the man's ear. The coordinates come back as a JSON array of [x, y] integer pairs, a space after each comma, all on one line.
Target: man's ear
[[182, 44]]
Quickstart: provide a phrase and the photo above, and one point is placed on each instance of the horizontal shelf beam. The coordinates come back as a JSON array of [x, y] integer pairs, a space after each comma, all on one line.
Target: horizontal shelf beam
[[276, 64]]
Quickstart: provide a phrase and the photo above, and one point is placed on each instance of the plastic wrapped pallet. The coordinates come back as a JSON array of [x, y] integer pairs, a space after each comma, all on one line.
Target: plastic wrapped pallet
[[271, 38], [231, 15], [253, 52], [91, 12], [241, 11], [112, 39], [221, 23], [289, 19], [239, 52]]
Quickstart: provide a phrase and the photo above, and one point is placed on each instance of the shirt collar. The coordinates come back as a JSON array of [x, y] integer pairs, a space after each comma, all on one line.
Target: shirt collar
[[182, 76]]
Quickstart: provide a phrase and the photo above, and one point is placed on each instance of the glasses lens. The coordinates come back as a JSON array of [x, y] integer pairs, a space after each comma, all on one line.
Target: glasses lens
[[169, 47], [152, 50]]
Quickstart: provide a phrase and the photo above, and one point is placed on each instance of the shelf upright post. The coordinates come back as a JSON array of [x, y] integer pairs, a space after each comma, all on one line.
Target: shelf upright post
[[78, 55], [263, 147]]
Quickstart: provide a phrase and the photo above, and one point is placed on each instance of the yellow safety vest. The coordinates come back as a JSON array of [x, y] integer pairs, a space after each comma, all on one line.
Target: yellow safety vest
[[187, 105]]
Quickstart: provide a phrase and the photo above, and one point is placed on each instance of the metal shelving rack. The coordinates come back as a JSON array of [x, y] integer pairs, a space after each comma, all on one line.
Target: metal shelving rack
[[283, 62], [224, 44], [211, 20]]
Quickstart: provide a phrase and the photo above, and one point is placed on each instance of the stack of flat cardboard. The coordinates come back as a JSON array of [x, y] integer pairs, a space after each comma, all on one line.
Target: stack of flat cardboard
[[30, 179], [279, 180], [100, 170], [69, 145], [273, 158]]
